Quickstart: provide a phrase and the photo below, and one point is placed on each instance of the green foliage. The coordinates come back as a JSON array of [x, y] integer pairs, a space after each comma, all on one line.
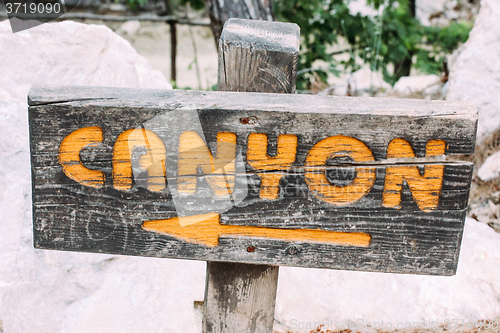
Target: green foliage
[[451, 36], [391, 41], [438, 42], [320, 22], [195, 4], [134, 4]]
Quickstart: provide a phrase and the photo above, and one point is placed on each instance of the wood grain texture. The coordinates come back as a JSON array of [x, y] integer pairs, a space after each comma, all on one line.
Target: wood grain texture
[[207, 230], [258, 159], [258, 56], [339, 146], [219, 170], [426, 187], [374, 121], [233, 295], [69, 156], [223, 10], [153, 161], [72, 216], [253, 56]]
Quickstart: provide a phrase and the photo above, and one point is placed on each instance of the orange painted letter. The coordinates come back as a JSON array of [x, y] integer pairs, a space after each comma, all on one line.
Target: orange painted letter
[[258, 159], [219, 171], [154, 161], [69, 156], [425, 188], [316, 179]]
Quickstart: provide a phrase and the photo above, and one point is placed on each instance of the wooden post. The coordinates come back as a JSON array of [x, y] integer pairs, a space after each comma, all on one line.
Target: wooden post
[[222, 10], [239, 297], [254, 56]]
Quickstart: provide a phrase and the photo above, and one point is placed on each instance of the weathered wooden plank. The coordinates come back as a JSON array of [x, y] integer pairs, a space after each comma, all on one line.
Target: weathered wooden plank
[[65, 119], [296, 103], [375, 121], [294, 194], [253, 56], [72, 216], [424, 243], [55, 114]]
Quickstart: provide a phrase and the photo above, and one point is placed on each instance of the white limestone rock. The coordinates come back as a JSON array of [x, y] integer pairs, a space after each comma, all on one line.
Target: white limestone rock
[[443, 12], [490, 168], [361, 7], [426, 8], [418, 85], [68, 53], [363, 82], [475, 75], [428, 12], [48, 291], [310, 297]]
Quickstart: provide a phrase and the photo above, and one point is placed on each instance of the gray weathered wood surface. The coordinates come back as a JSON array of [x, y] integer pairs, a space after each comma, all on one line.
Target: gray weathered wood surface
[[375, 121], [223, 10], [70, 216], [258, 57], [239, 297]]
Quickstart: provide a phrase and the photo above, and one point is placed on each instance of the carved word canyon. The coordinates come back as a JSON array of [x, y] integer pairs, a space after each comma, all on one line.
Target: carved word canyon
[[220, 170], [347, 183]]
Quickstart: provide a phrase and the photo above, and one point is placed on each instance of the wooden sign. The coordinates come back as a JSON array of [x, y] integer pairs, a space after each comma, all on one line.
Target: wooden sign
[[331, 182]]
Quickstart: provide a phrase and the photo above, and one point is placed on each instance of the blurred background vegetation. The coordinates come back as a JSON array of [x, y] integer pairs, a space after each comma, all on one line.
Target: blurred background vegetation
[[391, 39]]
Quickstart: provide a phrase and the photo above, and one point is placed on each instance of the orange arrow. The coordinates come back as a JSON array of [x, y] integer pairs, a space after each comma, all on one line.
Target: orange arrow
[[207, 230]]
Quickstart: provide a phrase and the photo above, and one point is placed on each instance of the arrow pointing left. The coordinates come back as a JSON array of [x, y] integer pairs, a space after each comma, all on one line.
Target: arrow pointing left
[[205, 229]]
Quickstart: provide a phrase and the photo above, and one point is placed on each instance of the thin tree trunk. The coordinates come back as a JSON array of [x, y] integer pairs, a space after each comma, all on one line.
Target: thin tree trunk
[[412, 5], [403, 68], [222, 10]]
